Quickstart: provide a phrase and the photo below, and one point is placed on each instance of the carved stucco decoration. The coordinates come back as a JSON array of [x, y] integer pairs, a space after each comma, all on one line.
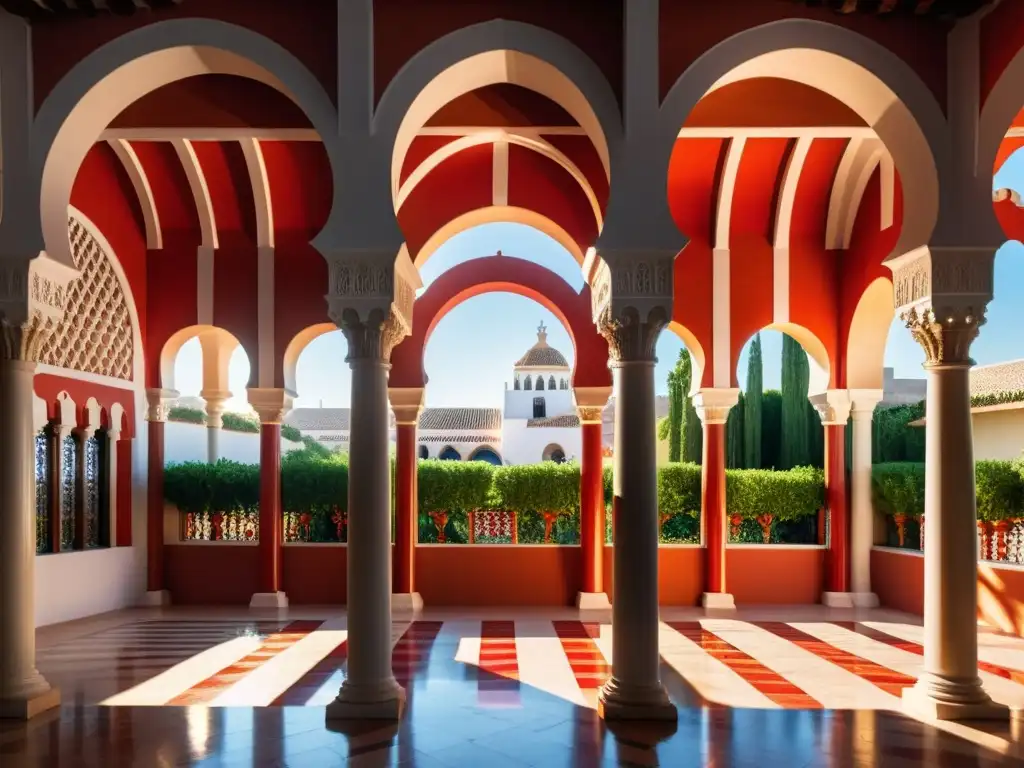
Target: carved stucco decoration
[[32, 300], [941, 295], [589, 414], [95, 333]]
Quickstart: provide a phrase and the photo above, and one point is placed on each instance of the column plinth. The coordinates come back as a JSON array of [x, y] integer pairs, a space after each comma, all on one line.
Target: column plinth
[[370, 690], [713, 406], [635, 691], [592, 511]]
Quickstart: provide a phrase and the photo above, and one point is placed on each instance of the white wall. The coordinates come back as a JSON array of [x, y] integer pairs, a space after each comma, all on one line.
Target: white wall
[[998, 434], [519, 402], [525, 445], [72, 585], [187, 442]]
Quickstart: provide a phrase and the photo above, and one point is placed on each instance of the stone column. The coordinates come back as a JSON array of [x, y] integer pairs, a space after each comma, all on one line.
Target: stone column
[[27, 316], [713, 406], [862, 513], [407, 403], [113, 436], [215, 399], [159, 402], [370, 690], [590, 402], [271, 405], [60, 543], [833, 406], [635, 691], [123, 510], [942, 295], [81, 436]]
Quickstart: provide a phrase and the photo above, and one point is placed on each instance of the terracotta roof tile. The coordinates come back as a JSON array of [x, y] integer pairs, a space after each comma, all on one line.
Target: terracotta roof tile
[[457, 438], [461, 419], [319, 419], [1000, 377]]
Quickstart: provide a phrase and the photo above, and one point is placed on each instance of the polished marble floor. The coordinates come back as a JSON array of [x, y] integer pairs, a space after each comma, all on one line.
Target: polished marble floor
[[786, 687]]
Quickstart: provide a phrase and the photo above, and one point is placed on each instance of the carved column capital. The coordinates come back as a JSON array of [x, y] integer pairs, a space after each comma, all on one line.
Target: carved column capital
[[270, 403], [591, 402], [407, 403], [33, 293], [833, 406], [941, 295], [713, 404], [158, 403], [215, 399], [631, 336], [371, 298], [863, 402]]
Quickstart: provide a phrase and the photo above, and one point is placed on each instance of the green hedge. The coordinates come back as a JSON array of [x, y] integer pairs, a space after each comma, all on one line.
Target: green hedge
[[187, 415], [546, 487], [679, 489], [237, 422], [226, 486], [451, 485], [999, 487], [291, 433], [790, 495]]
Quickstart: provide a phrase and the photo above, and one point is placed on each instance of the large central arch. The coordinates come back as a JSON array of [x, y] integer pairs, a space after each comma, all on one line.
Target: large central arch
[[494, 274]]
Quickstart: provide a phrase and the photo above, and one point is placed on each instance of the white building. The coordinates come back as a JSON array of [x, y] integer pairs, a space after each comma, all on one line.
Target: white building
[[538, 421]]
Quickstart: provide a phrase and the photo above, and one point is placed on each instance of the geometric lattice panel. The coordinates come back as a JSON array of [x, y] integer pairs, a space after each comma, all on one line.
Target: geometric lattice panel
[[95, 334]]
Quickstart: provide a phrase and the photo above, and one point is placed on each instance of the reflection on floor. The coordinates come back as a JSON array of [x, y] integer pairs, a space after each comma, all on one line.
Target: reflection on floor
[[499, 688]]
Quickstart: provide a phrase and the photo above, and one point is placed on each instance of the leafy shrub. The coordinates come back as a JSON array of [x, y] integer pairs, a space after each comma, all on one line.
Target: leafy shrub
[[311, 483], [545, 487], [1000, 490], [787, 495], [679, 489], [187, 415], [222, 487], [454, 485], [898, 488], [238, 422], [289, 432]]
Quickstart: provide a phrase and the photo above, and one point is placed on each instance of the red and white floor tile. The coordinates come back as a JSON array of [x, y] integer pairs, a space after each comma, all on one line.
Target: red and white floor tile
[[502, 688]]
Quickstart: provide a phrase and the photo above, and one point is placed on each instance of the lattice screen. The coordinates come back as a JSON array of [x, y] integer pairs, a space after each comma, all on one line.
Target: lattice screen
[[95, 335]]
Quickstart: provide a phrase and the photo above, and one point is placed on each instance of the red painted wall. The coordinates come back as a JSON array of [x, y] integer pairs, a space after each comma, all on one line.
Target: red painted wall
[[47, 386], [1001, 38], [771, 575], [312, 575], [898, 580], [215, 574]]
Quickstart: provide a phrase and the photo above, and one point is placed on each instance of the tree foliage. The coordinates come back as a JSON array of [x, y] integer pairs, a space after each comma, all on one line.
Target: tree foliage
[[753, 410], [675, 411], [794, 450], [734, 434]]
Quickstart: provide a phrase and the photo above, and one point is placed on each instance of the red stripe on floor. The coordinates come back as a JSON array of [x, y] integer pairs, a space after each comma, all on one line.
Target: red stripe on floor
[[906, 645], [300, 692], [888, 680], [773, 685], [585, 659], [498, 681], [207, 690], [413, 649]]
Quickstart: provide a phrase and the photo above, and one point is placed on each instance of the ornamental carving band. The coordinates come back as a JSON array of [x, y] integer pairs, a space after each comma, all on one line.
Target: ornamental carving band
[[589, 414], [632, 338], [913, 283]]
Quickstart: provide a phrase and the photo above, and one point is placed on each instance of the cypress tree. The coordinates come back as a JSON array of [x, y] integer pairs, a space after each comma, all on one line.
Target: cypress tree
[[693, 436], [794, 450], [675, 415], [771, 426], [734, 435], [752, 407]]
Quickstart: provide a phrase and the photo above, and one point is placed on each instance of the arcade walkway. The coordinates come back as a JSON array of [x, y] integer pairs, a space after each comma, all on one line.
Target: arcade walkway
[[785, 686]]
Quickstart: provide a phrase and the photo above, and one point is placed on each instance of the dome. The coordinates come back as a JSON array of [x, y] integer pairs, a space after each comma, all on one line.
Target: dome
[[541, 354]]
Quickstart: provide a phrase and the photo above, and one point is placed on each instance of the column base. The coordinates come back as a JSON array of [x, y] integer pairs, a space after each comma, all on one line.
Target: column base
[[938, 699], [593, 601], [378, 702], [27, 706], [269, 600], [156, 598], [616, 701], [849, 599], [406, 602], [718, 601]]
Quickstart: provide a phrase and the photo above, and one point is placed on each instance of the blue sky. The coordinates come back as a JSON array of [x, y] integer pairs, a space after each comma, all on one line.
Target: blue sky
[[469, 356]]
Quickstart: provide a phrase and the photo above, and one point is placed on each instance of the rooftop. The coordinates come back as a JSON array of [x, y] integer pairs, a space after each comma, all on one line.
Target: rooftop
[[565, 420], [998, 377], [461, 419], [541, 354]]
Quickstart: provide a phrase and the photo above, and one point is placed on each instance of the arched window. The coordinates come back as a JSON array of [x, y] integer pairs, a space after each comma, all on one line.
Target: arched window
[[540, 382], [449, 454], [515, 385], [540, 408], [555, 453], [487, 454], [422, 451], [528, 384], [44, 464], [564, 384], [551, 382]]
